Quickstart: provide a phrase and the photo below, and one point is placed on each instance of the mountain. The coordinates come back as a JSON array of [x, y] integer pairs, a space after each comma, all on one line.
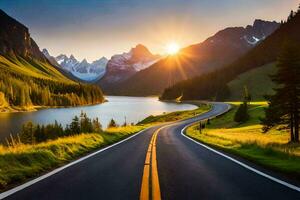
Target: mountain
[[67, 63], [50, 58], [83, 70], [15, 39], [122, 66], [212, 54], [216, 84], [27, 77]]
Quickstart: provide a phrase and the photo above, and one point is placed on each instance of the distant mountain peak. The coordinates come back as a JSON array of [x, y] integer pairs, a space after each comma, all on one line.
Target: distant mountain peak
[[83, 70], [140, 50], [251, 34], [122, 66], [72, 57], [45, 52], [84, 61]]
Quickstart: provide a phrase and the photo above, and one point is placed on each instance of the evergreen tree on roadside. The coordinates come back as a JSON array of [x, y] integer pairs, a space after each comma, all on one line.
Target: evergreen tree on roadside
[[112, 123], [27, 133], [85, 123], [241, 114], [75, 126], [97, 127], [284, 106]]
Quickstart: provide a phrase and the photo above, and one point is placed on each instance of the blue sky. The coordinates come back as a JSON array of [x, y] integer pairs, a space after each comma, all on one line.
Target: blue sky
[[92, 29]]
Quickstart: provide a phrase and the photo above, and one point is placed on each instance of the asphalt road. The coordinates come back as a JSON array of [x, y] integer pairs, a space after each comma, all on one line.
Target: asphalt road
[[186, 171]]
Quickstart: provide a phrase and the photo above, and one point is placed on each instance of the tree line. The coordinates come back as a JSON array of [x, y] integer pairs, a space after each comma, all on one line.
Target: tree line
[[21, 90], [35, 133]]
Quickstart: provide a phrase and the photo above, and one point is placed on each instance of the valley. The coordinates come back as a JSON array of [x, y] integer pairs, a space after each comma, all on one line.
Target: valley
[[149, 100]]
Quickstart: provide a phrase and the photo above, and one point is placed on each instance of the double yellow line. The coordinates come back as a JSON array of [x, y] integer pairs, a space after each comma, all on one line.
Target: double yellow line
[[151, 182]]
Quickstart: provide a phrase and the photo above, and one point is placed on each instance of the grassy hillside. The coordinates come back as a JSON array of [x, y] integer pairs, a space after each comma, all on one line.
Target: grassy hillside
[[247, 140], [36, 69], [257, 81], [27, 83]]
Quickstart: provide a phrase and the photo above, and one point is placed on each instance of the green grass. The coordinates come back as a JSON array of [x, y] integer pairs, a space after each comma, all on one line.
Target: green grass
[[247, 140], [35, 69], [22, 162], [257, 81], [174, 116]]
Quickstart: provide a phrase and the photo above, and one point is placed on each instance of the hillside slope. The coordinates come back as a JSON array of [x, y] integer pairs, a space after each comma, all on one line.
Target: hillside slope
[[28, 79], [257, 81], [213, 85]]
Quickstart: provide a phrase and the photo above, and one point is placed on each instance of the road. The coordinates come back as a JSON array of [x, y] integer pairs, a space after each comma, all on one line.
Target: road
[[185, 170]]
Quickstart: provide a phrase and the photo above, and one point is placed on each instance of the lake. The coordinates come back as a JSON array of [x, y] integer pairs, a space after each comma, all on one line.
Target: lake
[[133, 109]]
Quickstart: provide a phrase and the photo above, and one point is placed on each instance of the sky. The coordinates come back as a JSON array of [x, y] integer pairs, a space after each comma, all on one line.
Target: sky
[[94, 28]]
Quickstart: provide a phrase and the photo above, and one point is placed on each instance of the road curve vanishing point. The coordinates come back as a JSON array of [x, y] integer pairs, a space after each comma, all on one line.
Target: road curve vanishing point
[[157, 163]]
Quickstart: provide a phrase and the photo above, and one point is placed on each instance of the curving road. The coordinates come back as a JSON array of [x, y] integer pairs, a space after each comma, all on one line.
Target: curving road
[[186, 170]]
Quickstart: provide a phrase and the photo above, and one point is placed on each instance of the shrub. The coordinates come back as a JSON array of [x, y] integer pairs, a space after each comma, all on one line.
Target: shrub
[[241, 114]]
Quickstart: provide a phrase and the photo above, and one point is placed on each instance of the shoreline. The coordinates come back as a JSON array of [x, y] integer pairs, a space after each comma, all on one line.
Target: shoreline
[[9, 110]]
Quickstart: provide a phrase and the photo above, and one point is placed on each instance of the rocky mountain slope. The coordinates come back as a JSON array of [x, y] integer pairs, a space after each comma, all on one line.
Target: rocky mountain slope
[[15, 39], [122, 66]]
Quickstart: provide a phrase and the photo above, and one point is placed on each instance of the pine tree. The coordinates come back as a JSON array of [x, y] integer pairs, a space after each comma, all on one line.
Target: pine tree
[[27, 133], [241, 114], [97, 127], [284, 105], [112, 124], [75, 126]]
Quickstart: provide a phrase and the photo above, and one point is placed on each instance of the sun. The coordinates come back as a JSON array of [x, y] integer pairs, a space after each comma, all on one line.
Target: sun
[[172, 48]]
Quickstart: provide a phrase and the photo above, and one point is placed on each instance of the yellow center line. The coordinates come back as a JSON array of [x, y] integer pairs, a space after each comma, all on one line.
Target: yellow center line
[[154, 181]]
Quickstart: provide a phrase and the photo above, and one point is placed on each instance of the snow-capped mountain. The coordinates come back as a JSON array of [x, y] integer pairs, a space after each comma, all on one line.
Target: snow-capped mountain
[[90, 71], [83, 70], [67, 63], [240, 37], [122, 66], [259, 31]]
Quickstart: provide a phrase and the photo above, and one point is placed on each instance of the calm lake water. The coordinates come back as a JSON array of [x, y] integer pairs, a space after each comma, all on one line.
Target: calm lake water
[[133, 108]]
